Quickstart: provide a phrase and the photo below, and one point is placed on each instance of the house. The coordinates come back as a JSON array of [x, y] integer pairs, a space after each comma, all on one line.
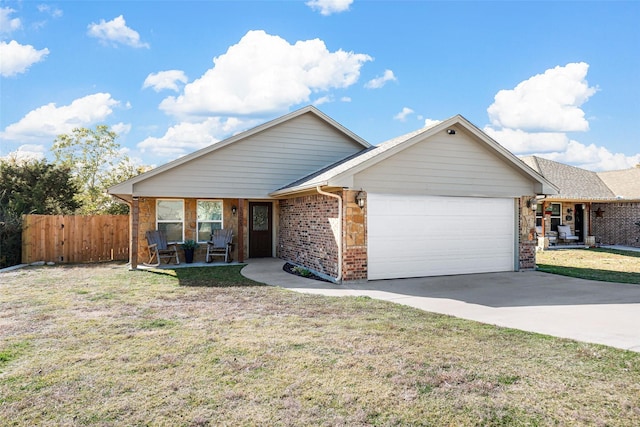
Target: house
[[441, 200], [599, 207]]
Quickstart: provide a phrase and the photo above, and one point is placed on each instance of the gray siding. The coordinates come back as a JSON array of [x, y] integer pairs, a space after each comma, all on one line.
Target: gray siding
[[255, 166], [446, 165]]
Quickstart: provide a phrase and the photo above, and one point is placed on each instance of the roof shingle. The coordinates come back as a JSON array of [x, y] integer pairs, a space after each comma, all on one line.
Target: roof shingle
[[624, 183], [574, 182]]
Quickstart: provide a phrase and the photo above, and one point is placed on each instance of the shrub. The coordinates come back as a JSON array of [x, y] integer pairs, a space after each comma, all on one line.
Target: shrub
[[10, 238]]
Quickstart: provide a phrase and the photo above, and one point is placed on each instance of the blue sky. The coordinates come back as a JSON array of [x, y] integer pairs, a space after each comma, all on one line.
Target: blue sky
[[556, 79]]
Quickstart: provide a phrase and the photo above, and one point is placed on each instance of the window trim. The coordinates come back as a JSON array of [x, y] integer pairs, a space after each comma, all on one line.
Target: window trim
[[198, 222], [171, 221], [541, 214]]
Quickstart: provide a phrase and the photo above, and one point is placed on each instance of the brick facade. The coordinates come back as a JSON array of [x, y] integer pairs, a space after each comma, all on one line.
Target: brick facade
[[616, 225], [309, 235], [308, 231]]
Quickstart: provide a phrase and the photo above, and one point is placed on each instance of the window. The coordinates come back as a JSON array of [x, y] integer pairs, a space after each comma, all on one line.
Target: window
[[209, 218], [170, 219], [555, 217]]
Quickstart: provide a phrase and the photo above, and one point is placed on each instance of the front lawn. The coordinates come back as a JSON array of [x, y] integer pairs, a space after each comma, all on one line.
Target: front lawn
[[100, 345], [606, 265]]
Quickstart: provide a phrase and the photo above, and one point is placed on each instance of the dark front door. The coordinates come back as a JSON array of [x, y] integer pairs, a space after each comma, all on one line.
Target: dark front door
[[260, 242], [579, 224]]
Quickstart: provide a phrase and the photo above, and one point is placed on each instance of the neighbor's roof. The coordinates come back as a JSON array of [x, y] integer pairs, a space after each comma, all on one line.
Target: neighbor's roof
[[331, 175], [624, 184], [573, 182]]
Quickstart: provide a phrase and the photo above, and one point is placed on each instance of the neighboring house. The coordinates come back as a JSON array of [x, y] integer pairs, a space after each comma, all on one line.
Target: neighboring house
[[605, 205], [442, 200]]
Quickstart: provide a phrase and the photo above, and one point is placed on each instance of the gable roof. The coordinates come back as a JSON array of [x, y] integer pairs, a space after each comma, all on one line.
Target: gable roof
[[573, 182], [126, 187], [334, 174], [624, 184], [578, 183]]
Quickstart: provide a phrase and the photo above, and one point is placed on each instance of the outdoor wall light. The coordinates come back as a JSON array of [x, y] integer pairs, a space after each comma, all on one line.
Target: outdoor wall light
[[533, 204], [234, 209], [451, 131], [360, 198]]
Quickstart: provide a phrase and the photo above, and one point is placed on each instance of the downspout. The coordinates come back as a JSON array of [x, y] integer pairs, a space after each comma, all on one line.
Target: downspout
[[335, 196]]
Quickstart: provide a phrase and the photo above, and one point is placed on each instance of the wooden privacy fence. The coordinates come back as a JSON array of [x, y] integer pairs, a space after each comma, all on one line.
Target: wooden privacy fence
[[75, 238]]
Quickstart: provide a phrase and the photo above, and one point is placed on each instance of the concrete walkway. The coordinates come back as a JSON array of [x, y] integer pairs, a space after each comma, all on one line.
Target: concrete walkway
[[583, 310]]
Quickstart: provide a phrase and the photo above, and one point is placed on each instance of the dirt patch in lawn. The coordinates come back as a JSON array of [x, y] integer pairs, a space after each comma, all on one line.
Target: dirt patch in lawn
[[101, 345]]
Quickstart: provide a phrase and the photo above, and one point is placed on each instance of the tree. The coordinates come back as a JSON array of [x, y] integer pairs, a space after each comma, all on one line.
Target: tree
[[37, 187], [122, 172], [31, 187], [96, 161]]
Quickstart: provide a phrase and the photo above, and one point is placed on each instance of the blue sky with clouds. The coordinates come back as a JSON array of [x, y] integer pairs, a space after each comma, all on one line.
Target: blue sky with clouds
[[556, 79]]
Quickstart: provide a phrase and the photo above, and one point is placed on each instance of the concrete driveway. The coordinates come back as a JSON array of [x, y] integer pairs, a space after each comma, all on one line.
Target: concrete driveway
[[583, 310]]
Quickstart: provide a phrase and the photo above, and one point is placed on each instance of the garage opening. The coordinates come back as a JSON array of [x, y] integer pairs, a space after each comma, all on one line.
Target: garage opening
[[416, 236]]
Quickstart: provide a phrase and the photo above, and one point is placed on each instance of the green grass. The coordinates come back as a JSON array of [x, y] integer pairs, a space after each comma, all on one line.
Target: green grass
[[606, 265], [204, 346]]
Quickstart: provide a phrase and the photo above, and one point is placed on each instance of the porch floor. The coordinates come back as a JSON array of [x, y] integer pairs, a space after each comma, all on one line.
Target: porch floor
[[172, 266]]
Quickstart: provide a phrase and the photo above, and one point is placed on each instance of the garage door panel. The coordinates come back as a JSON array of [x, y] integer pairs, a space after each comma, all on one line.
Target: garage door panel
[[413, 236]]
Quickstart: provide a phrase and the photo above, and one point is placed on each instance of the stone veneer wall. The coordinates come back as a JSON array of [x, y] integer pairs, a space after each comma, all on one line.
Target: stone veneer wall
[[616, 226], [147, 221], [527, 236], [306, 232], [354, 263]]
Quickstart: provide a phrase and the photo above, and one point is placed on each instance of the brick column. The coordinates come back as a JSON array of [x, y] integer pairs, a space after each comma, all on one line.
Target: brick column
[[354, 261], [526, 235]]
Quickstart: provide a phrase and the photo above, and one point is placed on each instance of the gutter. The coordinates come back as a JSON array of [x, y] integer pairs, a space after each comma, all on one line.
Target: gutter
[[335, 196]]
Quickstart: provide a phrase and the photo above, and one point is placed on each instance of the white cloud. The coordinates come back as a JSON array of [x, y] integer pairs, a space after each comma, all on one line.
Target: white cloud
[[323, 100], [53, 11], [115, 32], [49, 120], [519, 141], [428, 123], [165, 80], [8, 24], [265, 74], [327, 7], [17, 58], [345, 99], [402, 115], [26, 153], [186, 137], [121, 128], [534, 117], [378, 82], [592, 157], [545, 102]]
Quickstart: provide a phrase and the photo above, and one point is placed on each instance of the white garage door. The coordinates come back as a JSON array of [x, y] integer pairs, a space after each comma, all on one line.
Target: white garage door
[[414, 236]]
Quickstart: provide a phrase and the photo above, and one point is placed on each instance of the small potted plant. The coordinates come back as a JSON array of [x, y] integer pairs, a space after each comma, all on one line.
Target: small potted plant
[[189, 247]]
